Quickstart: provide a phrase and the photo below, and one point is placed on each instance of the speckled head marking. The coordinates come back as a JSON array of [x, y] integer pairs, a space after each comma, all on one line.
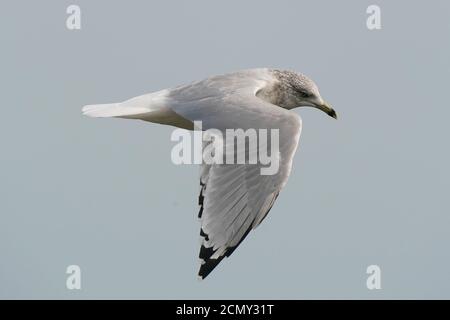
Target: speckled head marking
[[293, 90]]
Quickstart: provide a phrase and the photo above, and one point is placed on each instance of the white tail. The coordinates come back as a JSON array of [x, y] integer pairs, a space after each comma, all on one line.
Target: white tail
[[131, 108], [112, 110], [152, 107]]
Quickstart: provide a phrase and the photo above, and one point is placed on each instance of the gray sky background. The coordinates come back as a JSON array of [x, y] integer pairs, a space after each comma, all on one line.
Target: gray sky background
[[371, 188]]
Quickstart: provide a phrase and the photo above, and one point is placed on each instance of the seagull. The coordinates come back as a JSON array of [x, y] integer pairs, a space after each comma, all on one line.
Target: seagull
[[234, 198]]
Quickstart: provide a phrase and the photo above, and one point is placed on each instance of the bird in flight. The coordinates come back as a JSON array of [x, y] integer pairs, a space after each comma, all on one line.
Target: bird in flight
[[234, 198]]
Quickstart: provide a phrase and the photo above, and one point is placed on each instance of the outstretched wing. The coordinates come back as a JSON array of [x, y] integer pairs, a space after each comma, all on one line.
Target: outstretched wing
[[235, 198]]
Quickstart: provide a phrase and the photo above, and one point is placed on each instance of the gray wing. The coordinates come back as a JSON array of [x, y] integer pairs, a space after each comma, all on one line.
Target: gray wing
[[235, 198]]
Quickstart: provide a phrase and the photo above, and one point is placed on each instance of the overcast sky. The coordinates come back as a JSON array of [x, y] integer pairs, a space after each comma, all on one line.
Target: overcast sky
[[368, 189]]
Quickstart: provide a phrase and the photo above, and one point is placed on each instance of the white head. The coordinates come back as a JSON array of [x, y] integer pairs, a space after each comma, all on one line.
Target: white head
[[295, 90]]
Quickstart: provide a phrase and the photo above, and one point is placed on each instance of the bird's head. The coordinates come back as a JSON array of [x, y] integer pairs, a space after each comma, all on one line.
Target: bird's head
[[297, 90]]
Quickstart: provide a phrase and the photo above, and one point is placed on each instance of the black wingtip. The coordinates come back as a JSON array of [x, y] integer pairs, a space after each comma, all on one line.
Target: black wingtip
[[208, 266], [205, 255]]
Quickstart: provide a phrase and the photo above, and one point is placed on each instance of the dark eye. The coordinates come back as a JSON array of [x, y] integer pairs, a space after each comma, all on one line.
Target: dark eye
[[304, 94]]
